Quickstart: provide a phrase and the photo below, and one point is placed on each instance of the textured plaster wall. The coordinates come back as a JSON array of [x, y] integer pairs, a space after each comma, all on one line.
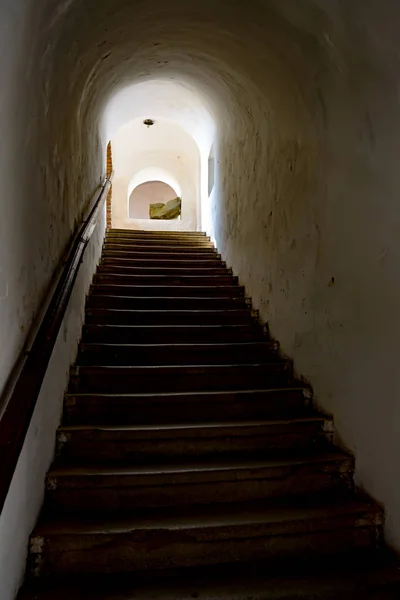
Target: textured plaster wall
[[304, 98], [164, 146], [44, 188], [310, 222], [27, 489]]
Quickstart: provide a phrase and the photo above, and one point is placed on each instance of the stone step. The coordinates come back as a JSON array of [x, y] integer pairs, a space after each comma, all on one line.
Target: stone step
[[161, 334], [130, 444], [85, 488], [142, 253], [197, 291], [190, 270], [202, 535], [132, 233], [203, 263], [375, 577], [178, 378], [101, 300], [112, 316], [186, 407], [164, 280], [158, 249], [198, 242], [172, 354]]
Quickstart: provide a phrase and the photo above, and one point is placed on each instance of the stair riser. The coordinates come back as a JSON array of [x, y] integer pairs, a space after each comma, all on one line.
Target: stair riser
[[239, 583], [152, 232], [120, 493], [149, 234], [159, 242], [158, 380], [119, 317], [226, 291], [156, 262], [95, 447], [167, 255], [175, 355], [143, 303], [162, 251], [108, 553], [143, 335], [168, 280], [171, 271], [96, 409]]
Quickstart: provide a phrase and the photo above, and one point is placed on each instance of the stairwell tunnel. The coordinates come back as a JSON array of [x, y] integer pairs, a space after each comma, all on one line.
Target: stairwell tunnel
[[300, 102]]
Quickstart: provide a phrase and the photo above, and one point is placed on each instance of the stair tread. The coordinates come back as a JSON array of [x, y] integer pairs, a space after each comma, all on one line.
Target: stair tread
[[253, 581], [187, 368], [161, 298], [184, 395], [170, 311], [187, 287], [196, 466], [167, 252], [166, 326], [194, 427], [161, 276], [201, 518], [160, 260], [149, 270], [190, 345]]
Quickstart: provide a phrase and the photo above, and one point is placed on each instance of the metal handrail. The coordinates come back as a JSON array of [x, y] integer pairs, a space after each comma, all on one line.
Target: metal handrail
[[17, 414]]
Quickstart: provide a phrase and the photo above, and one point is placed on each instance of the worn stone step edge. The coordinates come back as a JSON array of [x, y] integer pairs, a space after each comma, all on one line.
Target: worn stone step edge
[[179, 370], [244, 395], [96, 289], [215, 522], [172, 312], [96, 300], [195, 472], [264, 346], [158, 235], [191, 275], [167, 254], [177, 327], [197, 241], [105, 315], [196, 431], [165, 250], [182, 262], [168, 290], [185, 279]]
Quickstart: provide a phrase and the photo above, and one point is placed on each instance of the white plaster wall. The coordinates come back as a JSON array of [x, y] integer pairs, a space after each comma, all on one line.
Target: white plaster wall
[[164, 146]]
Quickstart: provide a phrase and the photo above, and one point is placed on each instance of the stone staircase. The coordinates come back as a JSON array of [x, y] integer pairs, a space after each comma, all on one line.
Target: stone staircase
[[190, 463]]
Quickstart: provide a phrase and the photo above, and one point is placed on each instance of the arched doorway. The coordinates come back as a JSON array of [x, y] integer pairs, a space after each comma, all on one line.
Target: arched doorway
[[150, 192]]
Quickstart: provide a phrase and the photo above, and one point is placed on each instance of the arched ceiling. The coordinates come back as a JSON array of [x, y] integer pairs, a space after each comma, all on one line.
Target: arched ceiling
[[166, 99]]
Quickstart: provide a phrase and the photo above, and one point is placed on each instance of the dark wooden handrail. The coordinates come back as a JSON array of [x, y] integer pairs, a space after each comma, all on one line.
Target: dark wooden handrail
[[17, 414]]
